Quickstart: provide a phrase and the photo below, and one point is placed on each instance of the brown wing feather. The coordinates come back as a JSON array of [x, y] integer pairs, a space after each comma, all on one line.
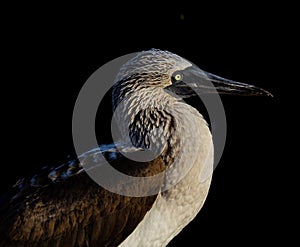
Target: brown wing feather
[[77, 212]]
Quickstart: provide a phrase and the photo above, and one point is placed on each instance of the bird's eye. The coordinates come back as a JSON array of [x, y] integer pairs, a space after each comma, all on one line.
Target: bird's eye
[[178, 77]]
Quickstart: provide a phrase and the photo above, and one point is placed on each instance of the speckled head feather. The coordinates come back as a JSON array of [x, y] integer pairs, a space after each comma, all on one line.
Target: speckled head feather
[[153, 61], [148, 69]]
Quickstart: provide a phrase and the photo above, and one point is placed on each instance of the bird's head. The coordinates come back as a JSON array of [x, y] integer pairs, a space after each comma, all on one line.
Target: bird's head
[[162, 70]]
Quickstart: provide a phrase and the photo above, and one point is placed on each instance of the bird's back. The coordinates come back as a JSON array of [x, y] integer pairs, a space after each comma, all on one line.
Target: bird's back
[[75, 212]]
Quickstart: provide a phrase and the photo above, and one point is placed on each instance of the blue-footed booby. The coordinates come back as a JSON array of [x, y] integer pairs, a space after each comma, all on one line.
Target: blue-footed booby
[[63, 206]]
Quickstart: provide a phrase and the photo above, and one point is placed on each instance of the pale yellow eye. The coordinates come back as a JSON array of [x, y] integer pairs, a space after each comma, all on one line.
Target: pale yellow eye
[[178, 77]]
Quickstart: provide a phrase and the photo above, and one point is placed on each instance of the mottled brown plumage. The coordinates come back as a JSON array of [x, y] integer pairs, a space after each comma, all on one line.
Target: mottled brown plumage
[[76, 212]]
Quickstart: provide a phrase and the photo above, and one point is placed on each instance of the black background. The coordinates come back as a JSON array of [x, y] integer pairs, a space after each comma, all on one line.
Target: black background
[[49, 52]]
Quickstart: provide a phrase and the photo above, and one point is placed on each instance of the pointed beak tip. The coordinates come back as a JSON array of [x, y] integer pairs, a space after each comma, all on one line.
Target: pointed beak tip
[[264, 92], [269, 94]]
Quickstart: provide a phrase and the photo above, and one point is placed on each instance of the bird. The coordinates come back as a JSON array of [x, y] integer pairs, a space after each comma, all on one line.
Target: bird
[[64, 206]]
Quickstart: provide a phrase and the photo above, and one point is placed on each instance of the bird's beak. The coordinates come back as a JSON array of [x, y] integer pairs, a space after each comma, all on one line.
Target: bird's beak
[[204, 82], [226, 86]]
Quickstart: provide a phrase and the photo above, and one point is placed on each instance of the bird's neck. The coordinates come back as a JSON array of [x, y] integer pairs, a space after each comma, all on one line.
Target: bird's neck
[[145, 121], [193, 164]]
